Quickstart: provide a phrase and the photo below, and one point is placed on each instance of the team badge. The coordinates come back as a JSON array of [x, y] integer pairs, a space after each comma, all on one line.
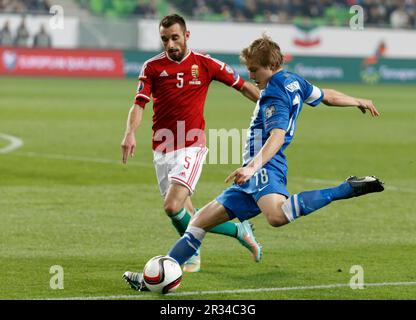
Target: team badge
[[195, 71], [195, 75], [270, 111], [229, 69]]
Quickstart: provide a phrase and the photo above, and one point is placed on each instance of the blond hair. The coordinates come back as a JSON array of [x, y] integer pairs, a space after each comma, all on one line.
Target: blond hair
[[264, 52]]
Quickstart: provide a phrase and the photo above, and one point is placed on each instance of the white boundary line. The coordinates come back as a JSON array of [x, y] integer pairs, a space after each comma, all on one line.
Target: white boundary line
[[150, 165], [17, 143], [14, 144], [213, 292], [79, 158]]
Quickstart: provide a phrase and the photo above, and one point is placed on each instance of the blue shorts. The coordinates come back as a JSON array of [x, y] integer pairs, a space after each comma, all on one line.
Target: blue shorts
[[240, 201]]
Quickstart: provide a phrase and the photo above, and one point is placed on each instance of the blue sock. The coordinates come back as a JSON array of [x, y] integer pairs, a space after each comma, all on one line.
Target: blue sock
[[184, 248], [307, 202]]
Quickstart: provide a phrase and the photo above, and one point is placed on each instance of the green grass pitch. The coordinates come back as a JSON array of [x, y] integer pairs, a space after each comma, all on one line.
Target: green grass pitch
[[66, 199]]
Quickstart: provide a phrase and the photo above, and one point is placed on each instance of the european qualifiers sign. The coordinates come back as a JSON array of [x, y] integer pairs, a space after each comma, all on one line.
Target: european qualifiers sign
[[61, 62]]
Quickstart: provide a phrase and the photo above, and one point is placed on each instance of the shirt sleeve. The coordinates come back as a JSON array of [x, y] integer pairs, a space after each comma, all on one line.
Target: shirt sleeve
[[312, 94], [144, 87], [224, 73], [276, 114]]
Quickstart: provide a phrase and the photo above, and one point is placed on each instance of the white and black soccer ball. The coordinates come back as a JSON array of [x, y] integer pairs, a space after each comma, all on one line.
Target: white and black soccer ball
[[162, 274]]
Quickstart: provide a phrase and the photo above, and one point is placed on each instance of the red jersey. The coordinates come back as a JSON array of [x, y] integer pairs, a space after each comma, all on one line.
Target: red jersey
[[179, 90]]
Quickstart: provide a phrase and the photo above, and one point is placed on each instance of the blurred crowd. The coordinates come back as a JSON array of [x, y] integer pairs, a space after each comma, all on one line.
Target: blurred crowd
[[121, 8], [377, 13], [24, 6], [21, 37], [383, 13]]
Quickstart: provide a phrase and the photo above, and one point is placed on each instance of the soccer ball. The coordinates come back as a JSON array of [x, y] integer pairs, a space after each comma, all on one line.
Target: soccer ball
[[162, 274]]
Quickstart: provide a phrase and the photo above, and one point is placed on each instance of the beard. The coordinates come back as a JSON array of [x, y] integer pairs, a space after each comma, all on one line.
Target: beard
[[177, 54]]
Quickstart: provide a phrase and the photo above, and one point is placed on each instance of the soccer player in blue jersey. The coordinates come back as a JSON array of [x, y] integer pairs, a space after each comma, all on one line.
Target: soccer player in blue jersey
[[260, 184]]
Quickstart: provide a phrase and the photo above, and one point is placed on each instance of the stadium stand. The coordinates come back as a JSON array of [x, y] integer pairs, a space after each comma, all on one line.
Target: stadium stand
[[394, 13], [121, 8], [24, 6], [378, 13]]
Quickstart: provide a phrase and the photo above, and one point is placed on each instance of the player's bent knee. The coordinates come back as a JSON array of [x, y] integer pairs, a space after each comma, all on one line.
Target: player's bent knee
[[276, 219], [172, 207]]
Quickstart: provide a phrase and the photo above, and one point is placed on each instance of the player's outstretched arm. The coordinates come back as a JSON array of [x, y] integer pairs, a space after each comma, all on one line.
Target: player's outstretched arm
[[250, 91], [339, 99], [134, 119]]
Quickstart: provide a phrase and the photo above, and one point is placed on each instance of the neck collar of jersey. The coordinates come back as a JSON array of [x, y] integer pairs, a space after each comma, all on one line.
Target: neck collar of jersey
[[183, 59]]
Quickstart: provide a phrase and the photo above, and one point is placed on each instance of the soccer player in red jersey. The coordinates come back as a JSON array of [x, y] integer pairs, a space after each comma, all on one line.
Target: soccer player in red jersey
[[178, 79]]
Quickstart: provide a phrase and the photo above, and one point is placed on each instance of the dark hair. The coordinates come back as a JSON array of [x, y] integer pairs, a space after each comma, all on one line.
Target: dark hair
[[172, 19]]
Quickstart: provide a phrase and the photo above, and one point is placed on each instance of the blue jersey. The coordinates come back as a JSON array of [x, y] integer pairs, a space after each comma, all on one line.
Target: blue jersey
[[278, 108]]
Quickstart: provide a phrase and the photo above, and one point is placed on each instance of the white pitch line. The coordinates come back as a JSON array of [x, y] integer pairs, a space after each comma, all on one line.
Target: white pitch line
[[14, 144], [79, 158], [213, 292], [150, 165]]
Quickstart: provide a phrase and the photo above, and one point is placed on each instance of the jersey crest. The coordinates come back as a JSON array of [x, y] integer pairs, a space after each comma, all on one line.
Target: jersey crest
[[195, 75]]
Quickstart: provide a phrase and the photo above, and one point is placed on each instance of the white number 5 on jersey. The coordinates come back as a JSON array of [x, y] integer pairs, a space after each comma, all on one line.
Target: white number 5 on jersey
[[179, 76]]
